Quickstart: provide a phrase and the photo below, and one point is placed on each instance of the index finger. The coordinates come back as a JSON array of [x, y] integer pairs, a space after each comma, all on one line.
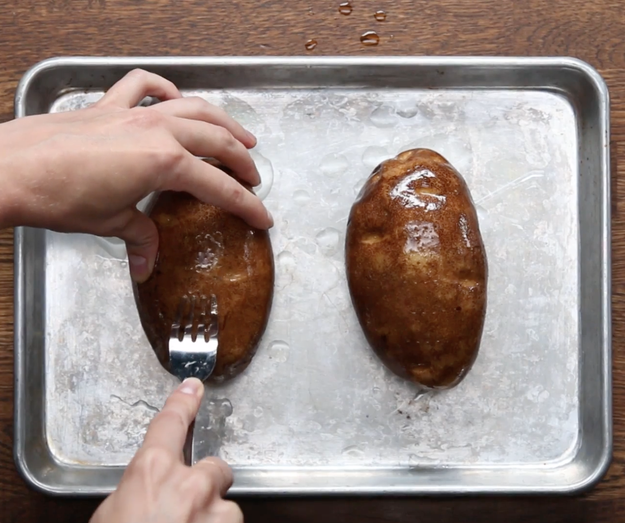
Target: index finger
[[168, 429], [135, 86], [213, 186], [196, 108]]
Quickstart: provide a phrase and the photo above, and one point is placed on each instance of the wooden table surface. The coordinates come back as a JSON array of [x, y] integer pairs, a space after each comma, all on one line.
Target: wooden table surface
[[593, 30]]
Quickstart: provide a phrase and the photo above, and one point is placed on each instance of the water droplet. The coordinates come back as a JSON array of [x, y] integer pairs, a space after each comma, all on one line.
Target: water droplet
[[374, 156], [482, 216], [219, 407], [287, 261], [376, 390], [265, 169], [124, 264], [380, 16], [258, 412], [383, 116], [406, 108], [334, 164], [300, 196], [353, 450], [345, 8], [226, 407], [305, 245], [328, 241], [310, 45], [279, 351], [370, 38]]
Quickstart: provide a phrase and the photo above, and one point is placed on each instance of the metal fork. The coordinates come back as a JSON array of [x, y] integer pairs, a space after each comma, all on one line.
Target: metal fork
[[193, 355]]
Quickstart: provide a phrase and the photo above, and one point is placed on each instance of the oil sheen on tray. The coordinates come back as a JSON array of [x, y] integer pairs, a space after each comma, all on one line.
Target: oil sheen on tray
[[315, 394]]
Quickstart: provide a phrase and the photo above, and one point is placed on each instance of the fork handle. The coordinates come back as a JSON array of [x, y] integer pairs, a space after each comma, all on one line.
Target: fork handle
[[187, 450]]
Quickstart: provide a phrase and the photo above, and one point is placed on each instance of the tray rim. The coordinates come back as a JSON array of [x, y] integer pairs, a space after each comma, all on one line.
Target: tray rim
[[130, 62]]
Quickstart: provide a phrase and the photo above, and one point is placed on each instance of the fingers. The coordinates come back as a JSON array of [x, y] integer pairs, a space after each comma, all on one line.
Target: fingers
[[195, 108], [213, 186], [135, 86], [218, 470], [141, 237], [168, 429], [207, 140], [226, 512]]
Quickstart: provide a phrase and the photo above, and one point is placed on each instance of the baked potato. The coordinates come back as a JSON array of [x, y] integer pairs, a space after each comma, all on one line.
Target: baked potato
[[417, 269], [205, 250]]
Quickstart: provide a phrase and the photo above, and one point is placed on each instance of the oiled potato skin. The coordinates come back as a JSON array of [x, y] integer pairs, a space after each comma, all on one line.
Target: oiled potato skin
[[417, 270], [205, 250]]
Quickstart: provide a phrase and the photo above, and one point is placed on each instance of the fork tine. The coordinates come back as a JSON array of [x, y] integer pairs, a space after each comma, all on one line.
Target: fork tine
[[213, 306], [213, 329], [176, 331], [188, 328], [201, 326]]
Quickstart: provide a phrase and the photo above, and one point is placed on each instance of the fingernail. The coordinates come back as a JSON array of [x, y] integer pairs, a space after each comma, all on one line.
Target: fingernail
[[138, 267], [251, 137], [192, 386], [270, 218]]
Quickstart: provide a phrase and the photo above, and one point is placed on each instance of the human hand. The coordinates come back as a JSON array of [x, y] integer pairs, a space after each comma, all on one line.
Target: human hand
[[85, 171], [157, 487]]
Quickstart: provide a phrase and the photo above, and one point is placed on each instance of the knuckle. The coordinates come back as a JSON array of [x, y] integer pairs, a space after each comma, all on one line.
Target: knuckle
[[118, 224], [225, 138], [116, 229], [199, 485], [229, 512], [198, 103], [204, 108], [138, 74], [236, 195], [151, 462], [170, 157], [145, 117]]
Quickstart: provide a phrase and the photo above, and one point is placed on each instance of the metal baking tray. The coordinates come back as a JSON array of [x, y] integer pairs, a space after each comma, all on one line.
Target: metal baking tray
[[316, 412]]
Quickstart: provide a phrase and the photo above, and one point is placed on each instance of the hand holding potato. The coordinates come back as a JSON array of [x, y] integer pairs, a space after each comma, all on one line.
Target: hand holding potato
[[85, 171]]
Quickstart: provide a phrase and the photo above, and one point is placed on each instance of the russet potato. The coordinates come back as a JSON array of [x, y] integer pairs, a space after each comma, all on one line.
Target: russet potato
[[417, 269], [204, 250]]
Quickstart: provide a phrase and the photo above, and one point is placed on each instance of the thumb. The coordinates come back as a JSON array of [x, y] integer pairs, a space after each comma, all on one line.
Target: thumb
[[141, 237]]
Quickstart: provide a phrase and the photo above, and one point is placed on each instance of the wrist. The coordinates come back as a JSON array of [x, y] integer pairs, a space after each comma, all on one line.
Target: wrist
[[9, 201]]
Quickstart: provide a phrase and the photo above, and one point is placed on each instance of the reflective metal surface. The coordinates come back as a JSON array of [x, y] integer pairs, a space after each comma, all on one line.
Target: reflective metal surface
[[316, 412], [193, 345]]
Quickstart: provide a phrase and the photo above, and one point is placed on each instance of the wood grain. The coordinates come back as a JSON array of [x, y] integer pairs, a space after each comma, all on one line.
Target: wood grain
[[591, 30]]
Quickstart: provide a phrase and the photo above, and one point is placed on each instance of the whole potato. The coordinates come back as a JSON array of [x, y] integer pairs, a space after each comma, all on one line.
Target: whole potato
[[417, 269], [205, 250]]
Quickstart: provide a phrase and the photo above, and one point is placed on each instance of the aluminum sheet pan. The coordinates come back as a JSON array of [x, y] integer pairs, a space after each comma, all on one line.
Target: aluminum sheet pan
[[316, 412]]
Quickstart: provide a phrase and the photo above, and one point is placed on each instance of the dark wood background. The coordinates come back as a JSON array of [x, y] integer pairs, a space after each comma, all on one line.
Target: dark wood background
[[593, 30]]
